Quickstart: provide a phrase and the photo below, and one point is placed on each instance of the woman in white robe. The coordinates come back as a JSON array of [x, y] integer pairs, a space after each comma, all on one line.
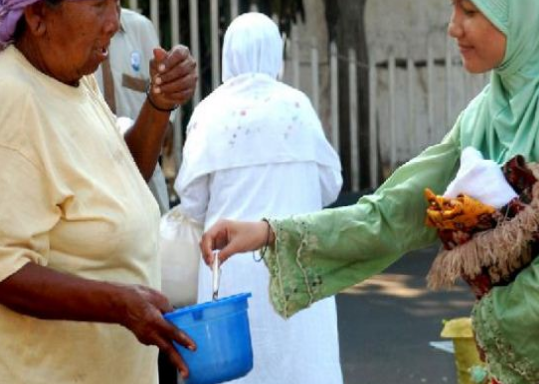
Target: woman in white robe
[[255, 148]]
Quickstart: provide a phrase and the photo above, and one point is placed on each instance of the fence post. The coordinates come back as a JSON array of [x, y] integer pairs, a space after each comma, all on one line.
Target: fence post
[[195, 43], [315, 62], [392, 111], [448, 82], [175, 22], [334, 69], [133, 4], [154, 16], [215, 56], [234, 9], [430, 93], [177, 135], [353, 110], [373, 131], [412, 126], [295, 57]]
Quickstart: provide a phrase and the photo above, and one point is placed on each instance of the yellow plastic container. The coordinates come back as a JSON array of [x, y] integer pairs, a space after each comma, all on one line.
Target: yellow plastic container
[[466, 354]]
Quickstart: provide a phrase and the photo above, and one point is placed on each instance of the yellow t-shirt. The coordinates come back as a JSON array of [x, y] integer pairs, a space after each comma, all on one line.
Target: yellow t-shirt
[[71, 199]]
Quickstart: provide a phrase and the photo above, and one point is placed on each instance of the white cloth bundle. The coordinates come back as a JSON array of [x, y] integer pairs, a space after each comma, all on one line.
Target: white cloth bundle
[[481, 179], [180, 257]]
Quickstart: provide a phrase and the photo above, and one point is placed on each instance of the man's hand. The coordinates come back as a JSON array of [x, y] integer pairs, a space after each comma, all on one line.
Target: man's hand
[[173, 77]]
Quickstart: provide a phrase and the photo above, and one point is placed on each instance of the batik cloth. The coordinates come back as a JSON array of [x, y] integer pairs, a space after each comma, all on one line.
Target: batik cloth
[[485, 246]]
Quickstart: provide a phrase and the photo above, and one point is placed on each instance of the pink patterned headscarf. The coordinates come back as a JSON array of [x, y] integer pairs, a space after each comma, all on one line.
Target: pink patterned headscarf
[[10, 13]]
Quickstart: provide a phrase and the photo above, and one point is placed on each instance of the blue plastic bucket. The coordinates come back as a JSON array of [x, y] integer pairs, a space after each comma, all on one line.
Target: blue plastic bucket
[[221, 331]]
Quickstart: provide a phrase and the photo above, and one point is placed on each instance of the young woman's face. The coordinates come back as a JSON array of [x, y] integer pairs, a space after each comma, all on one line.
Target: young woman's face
[[481, 44]]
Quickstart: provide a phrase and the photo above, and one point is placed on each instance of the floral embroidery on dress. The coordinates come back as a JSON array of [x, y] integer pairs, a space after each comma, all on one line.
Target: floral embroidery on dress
[[505, 366], [289, 299]]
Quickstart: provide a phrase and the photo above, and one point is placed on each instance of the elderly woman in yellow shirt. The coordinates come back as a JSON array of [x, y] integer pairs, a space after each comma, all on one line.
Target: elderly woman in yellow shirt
[[79, 276]]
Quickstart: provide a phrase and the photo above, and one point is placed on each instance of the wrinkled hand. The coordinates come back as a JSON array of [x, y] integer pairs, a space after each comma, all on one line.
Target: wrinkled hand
[[143, 315], [173, 77], [233, 237]]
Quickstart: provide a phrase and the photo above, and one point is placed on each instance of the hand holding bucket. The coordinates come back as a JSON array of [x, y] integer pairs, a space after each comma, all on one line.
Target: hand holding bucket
[[220, 328]]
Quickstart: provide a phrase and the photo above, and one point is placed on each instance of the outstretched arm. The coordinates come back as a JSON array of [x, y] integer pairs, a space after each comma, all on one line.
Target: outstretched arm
[[317, 255]]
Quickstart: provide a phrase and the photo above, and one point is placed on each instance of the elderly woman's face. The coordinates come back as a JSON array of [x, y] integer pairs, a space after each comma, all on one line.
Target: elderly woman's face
[[78, 34], [482, 46]]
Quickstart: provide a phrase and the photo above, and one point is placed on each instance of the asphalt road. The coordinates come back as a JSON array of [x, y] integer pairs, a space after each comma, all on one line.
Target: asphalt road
[[386, 324]]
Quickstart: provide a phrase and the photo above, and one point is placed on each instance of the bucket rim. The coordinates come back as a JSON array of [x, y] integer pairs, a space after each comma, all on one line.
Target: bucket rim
[[209, 304]]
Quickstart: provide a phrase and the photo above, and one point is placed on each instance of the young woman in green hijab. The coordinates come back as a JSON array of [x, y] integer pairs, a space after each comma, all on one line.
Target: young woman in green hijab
[[314, 256]]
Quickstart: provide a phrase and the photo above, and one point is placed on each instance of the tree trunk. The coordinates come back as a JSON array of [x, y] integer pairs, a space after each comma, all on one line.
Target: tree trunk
[[345, 19]]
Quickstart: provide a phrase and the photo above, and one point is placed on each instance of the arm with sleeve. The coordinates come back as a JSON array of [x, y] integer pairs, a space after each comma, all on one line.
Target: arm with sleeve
[[330, 184], [26, 213], [195, 197], [320, 254]]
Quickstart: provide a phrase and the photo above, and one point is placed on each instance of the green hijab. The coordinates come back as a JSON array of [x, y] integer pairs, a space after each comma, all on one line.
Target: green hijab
[[501, 122], [504, 119]]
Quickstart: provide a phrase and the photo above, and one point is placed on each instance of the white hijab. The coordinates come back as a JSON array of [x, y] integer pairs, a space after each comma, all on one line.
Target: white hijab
[[252, 119], [252, 45]]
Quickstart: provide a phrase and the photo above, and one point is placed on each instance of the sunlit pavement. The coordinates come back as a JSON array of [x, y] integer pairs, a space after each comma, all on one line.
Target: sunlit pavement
[[386, 324]]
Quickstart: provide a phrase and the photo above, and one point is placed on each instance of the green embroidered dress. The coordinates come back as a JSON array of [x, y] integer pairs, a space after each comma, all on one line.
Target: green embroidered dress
[[318, 255]]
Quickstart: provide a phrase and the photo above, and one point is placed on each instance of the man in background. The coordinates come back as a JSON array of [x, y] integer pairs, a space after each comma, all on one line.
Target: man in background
[[124, 77]]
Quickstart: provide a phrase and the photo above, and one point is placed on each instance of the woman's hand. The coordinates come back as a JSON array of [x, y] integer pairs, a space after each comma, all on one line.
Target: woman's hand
[[143, 315], [173, 77], [234, 237], [47, 294]]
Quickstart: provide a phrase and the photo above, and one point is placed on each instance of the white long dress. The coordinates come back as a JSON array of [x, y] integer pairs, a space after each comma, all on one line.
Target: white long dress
[[304, 348], [255, 148]]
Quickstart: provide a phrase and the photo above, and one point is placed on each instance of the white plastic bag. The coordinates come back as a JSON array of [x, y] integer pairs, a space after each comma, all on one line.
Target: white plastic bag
[[180, 257]]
